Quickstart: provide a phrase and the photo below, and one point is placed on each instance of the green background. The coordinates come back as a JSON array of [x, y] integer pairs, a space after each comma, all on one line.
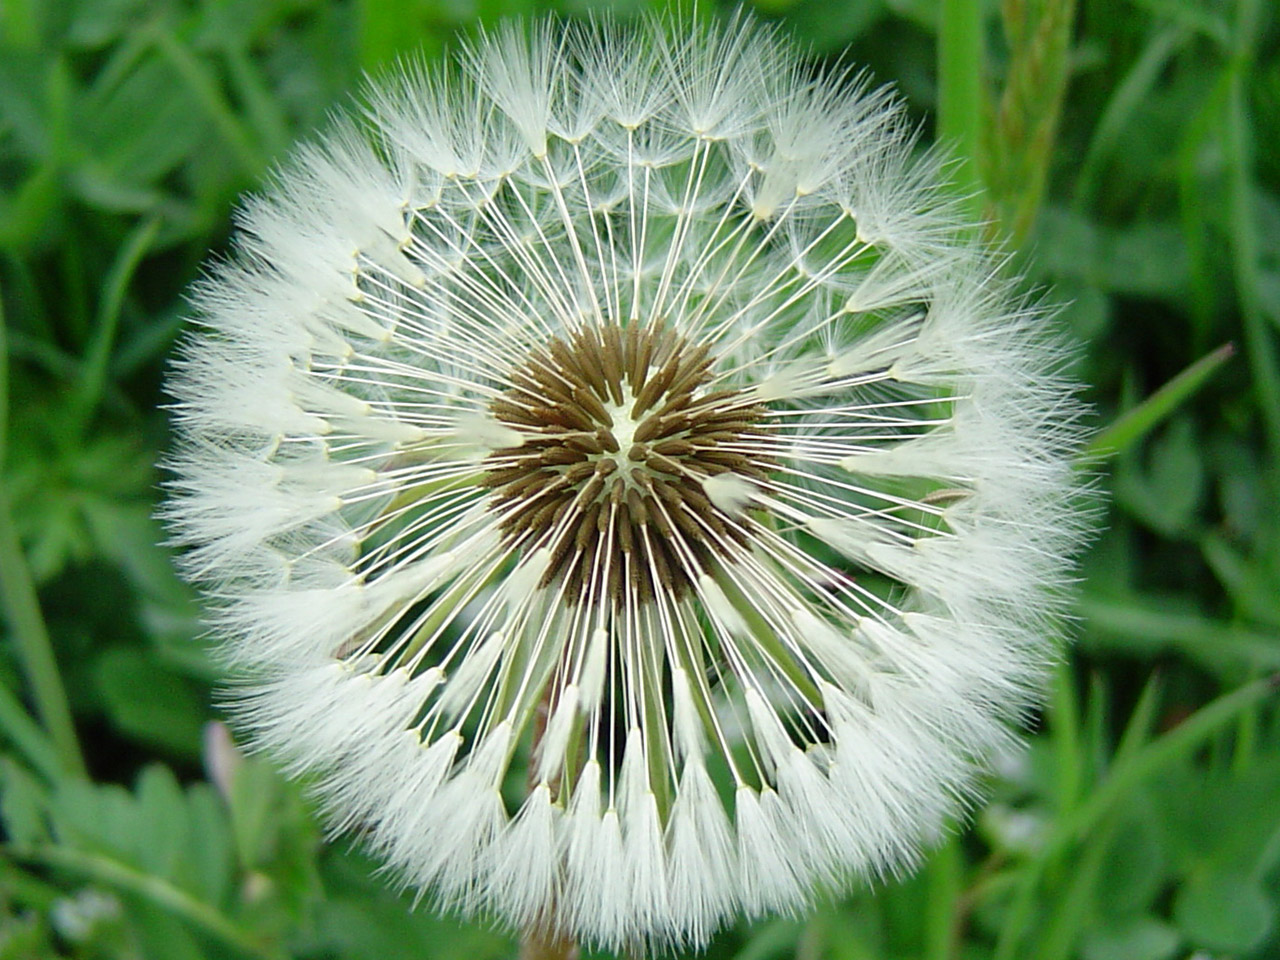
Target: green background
[[1127, 146]]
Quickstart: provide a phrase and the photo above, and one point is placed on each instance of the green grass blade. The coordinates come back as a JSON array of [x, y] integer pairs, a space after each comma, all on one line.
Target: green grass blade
[[1125, 100], [1165, 749], [208, 91], [26, 736], [1123, 779], [1258, 337], [961, 96], [943, 876], [1134, 424], [1138, 730], [110, 303], [1065, 733], [21, 608]]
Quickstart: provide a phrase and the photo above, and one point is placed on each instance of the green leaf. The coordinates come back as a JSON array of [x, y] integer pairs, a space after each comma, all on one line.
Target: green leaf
[[1251, 584], [147, 702], [1140, 938], [23, 801], [1237, 844], [209, 846], [1147, 258], [165, 125], [161, 812], [830, 24], [1157, 757], [1136, 868], [1154, 626], [1223, 911], [152, 891], [1165, 492]]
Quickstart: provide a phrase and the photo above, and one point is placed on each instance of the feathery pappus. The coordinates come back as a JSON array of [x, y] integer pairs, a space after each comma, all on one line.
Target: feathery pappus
[[620, 483]]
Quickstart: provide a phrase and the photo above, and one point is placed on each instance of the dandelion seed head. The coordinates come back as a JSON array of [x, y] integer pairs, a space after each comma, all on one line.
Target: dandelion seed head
[[624, 413]]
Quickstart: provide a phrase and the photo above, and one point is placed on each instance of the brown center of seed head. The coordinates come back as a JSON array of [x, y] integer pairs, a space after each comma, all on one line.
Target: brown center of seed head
[[620, 437]]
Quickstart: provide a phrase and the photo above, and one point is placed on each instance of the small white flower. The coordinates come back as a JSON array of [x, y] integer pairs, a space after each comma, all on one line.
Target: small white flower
[[78, 918], [628, 407]]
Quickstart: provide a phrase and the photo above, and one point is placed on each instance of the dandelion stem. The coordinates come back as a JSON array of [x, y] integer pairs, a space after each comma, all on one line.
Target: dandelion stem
[[545, 940], [542, 944]]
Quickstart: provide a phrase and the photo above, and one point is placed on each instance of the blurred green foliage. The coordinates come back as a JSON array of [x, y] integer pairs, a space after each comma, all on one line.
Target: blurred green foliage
[[1131, 144]]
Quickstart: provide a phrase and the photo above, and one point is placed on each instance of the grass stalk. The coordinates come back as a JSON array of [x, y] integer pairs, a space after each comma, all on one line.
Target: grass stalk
[[26, 736], [1259, 338], [22, 609], [944, 875], [1025, 126], [97, 360], [1124, 777], [961, 96]]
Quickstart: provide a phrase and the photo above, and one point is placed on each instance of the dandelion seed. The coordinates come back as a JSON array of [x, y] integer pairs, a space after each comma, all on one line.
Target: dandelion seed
[[625, 406]]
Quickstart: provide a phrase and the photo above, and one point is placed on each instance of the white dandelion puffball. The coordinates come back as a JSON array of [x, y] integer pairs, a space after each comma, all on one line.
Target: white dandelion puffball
[[619, 484]]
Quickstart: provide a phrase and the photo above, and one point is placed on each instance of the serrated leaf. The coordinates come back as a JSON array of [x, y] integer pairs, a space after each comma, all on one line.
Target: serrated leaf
[[255, 795], [94, 817], [161, 811], [209, 844]]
